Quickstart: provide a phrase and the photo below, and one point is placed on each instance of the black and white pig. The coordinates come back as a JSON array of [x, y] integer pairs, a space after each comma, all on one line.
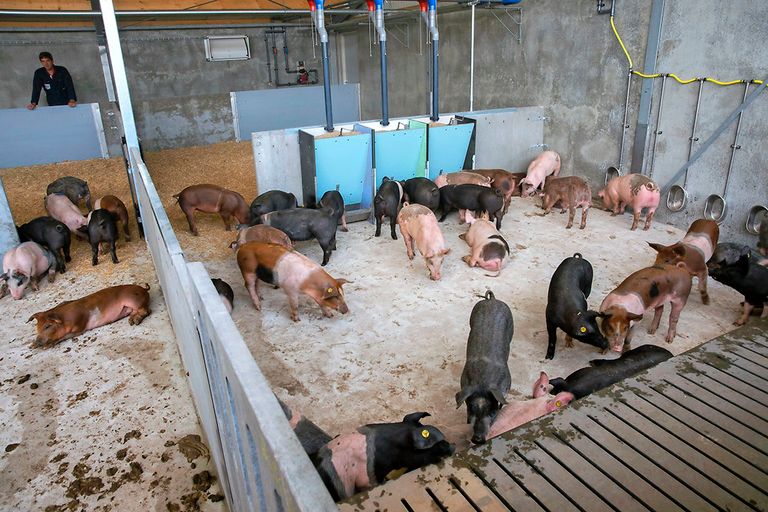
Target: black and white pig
[[749, 278], [334, 203], [311, 437], [387, 203], [357, 461], [567, 307], [271, 201], [421, 191], [606, 372], [474, 198], [102, 229], [50, 233], [486, 379], [225, 292], [305, 224], [74, 188]]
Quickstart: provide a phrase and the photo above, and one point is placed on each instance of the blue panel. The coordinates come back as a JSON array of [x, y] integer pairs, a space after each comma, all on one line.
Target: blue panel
[[293, 107], [368, 191], [48, 134], [343, 161], [399, 155], [448, 148]]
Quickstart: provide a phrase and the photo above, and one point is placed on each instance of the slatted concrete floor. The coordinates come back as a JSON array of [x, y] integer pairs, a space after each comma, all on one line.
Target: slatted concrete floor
[[690, 434]]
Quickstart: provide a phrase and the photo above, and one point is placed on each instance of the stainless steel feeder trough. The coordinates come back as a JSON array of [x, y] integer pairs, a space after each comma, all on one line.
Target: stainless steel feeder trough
[[757, 215], [611, 173], [678, 196]]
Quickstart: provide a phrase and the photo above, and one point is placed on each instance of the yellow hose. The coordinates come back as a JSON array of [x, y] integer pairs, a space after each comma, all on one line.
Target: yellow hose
[[613, 26], [680, 80]]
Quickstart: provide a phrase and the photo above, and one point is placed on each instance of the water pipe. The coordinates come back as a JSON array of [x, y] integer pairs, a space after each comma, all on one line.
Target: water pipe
[[376, 12], [429, 14], [316, 9]]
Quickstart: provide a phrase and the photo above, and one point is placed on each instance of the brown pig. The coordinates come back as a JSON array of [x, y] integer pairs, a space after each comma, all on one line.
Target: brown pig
[[504, 181], [489, 249], [571, 192], [74, 317], [459, 178], [695, 249], [212, 199], [261, 233], [418, 223], [648, 288], [117, 208], [294, 273], [633, 190]]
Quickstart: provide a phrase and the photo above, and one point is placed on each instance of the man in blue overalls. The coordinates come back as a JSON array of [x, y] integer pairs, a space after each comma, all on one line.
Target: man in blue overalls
[[57, 82]]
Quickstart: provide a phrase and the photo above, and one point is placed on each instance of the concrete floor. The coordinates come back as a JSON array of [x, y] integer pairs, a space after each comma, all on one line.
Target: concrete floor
[[402, 346]]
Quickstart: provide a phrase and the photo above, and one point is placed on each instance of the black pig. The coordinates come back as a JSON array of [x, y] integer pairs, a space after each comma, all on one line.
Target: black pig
[[472, 197], [606, 372], [746, 277], [74, 188], [334, 203], [311, 437], [730, 253], [305, 224], [387, 204], [569, 288], [102, 228], [225, 292], [50, 233], [357, 461], [422, 191], [486, 379], [271, 201]]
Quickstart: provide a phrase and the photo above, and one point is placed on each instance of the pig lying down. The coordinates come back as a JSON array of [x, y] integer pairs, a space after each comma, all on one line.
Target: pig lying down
[[74, 317], [23, 266], [489, 249]]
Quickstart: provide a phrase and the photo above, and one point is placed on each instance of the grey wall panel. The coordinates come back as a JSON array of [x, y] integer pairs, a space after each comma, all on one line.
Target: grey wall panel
[[508, 139], [50, 134], [276, 157], [293, 108]]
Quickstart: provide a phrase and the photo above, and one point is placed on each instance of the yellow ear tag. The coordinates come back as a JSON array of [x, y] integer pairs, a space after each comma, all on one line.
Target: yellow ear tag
[[583, 330], [425, 433], [559, 403], [330, 290]]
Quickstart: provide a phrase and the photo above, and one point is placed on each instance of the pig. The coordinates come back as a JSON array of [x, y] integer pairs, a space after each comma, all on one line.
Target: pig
[[567, 307], [571, 192], [23, 266], [261, 233], [519, 412], [311, 437], [271, 201], [749, 278], [633, 190], [485, 379], [695, 249], [212, 199], [504, 181], [357, 461], [418, 224], [50, 233], [305, 224], [102, 230], [73, 317], [762, 242], [729, 253], [462, 177], [606, 372], [421, 191], [294, 273], [334, 203], [117, 208], [472, 197], [548, 162], [226, 294], [74, 188], [62, 209], [648, 288], [387, 204], [489, 249]]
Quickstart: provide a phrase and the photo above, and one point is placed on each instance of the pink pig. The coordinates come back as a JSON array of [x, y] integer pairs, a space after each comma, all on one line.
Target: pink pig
[[633, 190], [418, 223], [62, 209], [542, 166], [519, 412], [24, 265], [459, 178], [489, 249]]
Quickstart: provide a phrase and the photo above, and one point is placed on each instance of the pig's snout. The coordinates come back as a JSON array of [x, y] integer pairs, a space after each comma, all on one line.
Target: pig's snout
[[343, 309], [435, 276], [477, 439]]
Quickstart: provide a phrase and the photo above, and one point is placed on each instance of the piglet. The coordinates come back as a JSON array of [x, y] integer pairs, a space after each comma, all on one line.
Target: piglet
[[357, 461], [462, 177], [567, 307], [103, 307], [694, 250], [311, 437], [212, 199], [23, 266], [74, 188], [418, 224], [422, 191], [548, 162], [333, 202], [116, 207], [633, 190], [305, 224], [474, 198], [485, 379], [62, 209], [386, 203], [261, 233], [271, 201], [571, 192], [606, 372], [749, 278], [102, 231], [49, 233], [226, 294], [729, 253], [294, 273], [646, 289], [504, 181], [489, 249]]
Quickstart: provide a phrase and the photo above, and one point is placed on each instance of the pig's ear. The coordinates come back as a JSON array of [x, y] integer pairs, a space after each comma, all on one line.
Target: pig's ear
[[233, 244], [424, 438], [445, 251], [499, 396], [656, 247], [340, 282], [679, 250], [462, 396], [414, 417], [633, 316], [33, 317], [4, 276]]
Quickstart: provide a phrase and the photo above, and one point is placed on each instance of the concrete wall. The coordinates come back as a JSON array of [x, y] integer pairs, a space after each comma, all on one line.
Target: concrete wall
[[570, 63]]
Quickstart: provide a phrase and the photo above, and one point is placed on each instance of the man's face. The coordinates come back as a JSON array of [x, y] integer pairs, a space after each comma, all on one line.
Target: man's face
[[47, 63]]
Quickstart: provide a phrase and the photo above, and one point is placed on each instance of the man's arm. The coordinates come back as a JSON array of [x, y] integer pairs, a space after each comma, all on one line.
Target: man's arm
[[37, 84], [70, 86]]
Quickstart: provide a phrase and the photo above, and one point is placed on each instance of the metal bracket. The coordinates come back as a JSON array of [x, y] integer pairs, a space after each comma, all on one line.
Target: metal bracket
[[543, 119], [405, 33], [516, 20], [537, 146]]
